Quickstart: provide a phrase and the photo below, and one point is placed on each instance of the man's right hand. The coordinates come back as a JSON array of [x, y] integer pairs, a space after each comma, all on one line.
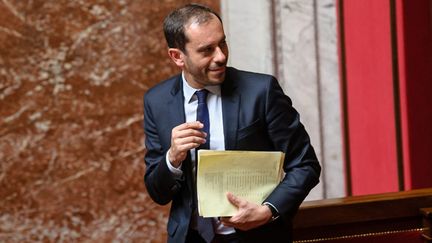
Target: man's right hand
[[185, 137]]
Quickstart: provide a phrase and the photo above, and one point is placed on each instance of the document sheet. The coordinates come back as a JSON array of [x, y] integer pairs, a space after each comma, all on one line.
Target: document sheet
[[250, 175]]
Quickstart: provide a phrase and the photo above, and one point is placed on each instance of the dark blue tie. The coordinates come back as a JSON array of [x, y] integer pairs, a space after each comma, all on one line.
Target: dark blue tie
[[204, 225], [203, 116]]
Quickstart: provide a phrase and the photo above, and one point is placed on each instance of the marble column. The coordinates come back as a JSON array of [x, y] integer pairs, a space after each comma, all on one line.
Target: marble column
[[247, 25], [295, 40]]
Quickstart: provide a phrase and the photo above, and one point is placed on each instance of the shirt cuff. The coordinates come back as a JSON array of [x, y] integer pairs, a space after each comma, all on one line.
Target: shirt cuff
[[271, 205], [275, 212], [177, 172]]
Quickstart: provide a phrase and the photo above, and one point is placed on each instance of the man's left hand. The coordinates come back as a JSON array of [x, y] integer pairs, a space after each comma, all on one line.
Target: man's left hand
[[248, 216]]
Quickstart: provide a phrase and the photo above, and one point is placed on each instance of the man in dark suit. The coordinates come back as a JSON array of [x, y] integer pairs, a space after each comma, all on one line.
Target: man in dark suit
[[244, 111]]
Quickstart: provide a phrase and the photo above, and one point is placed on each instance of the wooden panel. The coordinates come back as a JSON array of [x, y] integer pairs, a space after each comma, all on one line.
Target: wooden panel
[[415, 62], [361, 214], [369, 98]]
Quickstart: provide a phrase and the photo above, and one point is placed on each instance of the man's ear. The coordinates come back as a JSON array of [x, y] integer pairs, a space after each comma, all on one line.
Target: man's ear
[[176, 56]]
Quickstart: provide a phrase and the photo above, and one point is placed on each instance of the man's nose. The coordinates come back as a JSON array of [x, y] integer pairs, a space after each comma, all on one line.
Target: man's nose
[[220, 55]]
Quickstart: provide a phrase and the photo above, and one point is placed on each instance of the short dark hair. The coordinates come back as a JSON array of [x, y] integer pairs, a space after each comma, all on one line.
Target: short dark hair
[[174, 23]]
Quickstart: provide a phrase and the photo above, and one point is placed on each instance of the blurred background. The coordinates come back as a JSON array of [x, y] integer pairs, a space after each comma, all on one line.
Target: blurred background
[[73, 74]]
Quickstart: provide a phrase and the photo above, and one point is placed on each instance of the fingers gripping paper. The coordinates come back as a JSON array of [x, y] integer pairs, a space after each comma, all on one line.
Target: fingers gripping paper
[[250, 175]]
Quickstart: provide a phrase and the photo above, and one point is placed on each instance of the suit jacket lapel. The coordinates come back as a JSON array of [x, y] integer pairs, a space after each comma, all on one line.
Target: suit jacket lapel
[[177, 116], [176, 104], [230, 111]]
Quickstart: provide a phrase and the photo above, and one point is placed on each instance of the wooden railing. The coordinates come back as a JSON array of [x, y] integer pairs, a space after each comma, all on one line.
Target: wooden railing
[[362, 217]]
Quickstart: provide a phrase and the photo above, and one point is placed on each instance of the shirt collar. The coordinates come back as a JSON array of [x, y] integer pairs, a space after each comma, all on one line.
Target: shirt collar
[[189, 92]]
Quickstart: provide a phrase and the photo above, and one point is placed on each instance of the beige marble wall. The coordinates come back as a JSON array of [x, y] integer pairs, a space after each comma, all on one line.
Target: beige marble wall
[[308, 67], [72, 77], [296, 40]]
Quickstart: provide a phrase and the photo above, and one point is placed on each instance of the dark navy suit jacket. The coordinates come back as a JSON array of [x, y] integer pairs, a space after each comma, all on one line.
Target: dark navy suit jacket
[[256, 116]]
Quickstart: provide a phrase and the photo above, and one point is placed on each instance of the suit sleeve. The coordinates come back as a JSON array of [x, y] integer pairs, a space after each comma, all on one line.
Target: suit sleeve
[[301, 165], [161, 184]]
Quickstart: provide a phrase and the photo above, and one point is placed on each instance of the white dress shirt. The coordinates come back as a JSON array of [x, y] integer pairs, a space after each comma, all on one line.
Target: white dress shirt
[[217, 138]]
